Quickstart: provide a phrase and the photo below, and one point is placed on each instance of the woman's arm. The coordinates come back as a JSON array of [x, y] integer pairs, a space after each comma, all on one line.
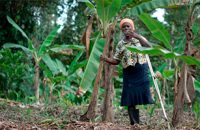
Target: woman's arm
[[142, 39], [110, 60]]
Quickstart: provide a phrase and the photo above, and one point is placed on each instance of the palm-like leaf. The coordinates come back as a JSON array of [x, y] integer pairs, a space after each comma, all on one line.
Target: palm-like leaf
[[56, 66], [50, 63], [64, 47], [71, 68], [88, 3], [47, 42], [153, 51], [106, 10], [93, 64], [153, 4], [12, 45], [30, 44], [165, 53], [17, 27], [157, 29]]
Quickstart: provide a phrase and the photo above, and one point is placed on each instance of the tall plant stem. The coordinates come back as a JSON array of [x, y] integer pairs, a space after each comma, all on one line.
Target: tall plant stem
[[182, 90], [91, 112], [36, 81]]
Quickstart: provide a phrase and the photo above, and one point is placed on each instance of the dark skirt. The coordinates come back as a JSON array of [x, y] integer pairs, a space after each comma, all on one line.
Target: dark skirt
[[136, 86]]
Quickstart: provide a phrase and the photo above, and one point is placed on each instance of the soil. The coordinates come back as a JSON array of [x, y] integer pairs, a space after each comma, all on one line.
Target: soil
[[15, 116]]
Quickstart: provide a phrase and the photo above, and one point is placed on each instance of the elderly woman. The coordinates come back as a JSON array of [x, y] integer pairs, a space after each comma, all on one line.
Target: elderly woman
[[136, 87]]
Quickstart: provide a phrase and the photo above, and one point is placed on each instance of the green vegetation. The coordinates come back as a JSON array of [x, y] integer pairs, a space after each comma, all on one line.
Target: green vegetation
[[43, 62]]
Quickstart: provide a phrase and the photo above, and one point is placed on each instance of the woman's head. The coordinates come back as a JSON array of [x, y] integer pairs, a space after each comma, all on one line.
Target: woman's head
[[127, 20], [127, 25]]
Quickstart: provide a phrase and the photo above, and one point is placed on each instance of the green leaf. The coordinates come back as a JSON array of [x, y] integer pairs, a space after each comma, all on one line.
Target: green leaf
[[157, 29], [107, 9], [197, 85], [195, 28], [153, 51], [80, 64], [59, 48], [30, 45], [50, 63], [151, 5], [49, 39], [125, 2], [71, 68], [12, 45], [179, 45], [190, 60], [1, 56], [168, 73], [88, 3], [61, 68], [17, 27], [93, 64], [162, 67], [56, 66]]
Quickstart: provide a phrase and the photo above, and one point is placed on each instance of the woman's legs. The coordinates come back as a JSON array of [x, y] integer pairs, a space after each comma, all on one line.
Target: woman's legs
[[133, 115]]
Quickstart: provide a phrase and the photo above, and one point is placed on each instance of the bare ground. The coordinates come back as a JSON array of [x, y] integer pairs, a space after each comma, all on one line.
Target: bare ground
[[15, 116]]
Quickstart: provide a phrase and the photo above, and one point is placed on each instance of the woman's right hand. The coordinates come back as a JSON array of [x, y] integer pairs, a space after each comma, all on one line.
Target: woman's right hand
[[102, 58]]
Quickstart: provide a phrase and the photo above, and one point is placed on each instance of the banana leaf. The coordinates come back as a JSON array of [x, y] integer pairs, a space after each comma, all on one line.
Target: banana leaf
[[106, 10], [157, 29], [168, 73], [153, 4], [17, 27], [59, 48], [12, 45], [51, 64], [88, 3], [93, 64], [71, 68], [47, 42], [30, 44], [155, 51]]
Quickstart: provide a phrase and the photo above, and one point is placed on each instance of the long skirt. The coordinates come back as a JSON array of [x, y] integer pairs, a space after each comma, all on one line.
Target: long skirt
[[136, 86]]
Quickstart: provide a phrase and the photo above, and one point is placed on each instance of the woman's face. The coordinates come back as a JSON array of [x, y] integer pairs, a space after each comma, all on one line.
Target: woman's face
[[126, 28]]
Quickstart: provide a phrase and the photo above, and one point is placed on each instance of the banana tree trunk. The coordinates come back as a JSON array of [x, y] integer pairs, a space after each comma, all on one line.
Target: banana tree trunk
[[36, 81], [108, 115], [179, 98], [185, 78], [91, 112]]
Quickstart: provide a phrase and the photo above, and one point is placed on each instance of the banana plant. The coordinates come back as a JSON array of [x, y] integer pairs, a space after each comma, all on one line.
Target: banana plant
[[41, 53], [109, 11]]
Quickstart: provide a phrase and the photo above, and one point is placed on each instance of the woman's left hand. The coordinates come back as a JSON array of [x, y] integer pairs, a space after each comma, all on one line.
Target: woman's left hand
[[158, 75]]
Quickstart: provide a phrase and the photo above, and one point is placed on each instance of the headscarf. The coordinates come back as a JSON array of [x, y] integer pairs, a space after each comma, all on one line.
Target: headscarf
[[127, 20]]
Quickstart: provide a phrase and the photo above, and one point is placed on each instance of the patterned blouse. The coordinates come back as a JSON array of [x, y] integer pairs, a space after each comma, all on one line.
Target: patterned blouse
[[128, 58]]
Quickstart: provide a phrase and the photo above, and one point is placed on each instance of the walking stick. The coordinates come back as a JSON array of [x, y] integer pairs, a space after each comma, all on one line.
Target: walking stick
[[157, 89]]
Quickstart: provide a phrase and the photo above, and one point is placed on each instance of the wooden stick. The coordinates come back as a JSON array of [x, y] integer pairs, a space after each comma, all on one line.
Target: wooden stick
[[157, 89]]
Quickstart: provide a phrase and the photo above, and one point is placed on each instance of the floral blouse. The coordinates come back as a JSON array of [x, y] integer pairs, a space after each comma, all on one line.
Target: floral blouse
[[128, 58]]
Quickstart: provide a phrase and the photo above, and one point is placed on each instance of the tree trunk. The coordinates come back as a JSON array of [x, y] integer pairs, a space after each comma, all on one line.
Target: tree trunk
[[185, 78], [179, 99], [91, 112], [108, 115], [36, 81]]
